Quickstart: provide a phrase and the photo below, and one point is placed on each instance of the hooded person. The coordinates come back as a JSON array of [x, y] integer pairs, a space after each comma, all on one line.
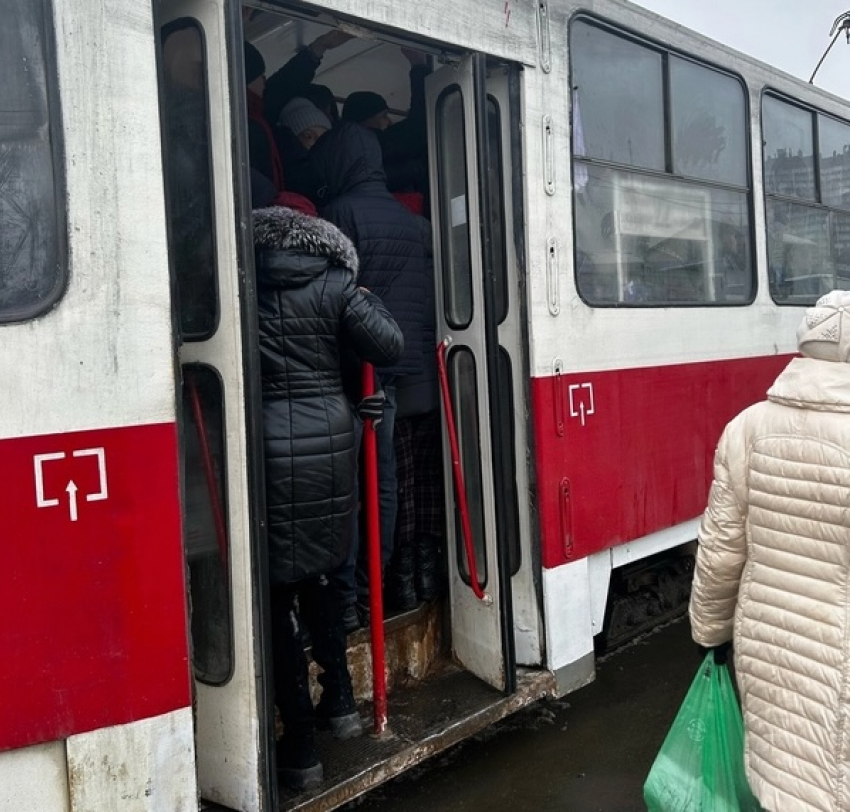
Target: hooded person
[[394, 266], [404, 143], [310, 304], [773, 570]]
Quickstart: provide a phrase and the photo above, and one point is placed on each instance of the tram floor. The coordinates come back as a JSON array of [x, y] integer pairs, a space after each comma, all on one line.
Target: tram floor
[[424, 720]]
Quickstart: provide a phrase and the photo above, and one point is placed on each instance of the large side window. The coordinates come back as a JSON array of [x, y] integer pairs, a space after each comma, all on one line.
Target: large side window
[[660, 176], [188, 163], [807, 199], [33, 269]]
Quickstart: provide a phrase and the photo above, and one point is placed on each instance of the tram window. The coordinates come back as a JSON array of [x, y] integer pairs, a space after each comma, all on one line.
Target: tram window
[[205, 527], [834, 153], [654, 242], [32, 215], [708, 123], [620, 88], [454, 202], [497, 207], [648, 239], [463, 380], [185, 114], [808, 236], [789, 167]]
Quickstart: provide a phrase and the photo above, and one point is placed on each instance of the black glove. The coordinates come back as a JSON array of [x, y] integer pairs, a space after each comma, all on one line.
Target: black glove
[[372, 407], [721, 652]]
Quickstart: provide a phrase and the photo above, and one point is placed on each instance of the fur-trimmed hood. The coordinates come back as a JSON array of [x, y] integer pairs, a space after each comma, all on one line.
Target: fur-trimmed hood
[[286, 238]]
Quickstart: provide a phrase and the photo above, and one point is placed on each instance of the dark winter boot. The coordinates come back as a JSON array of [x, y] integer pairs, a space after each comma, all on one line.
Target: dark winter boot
[[429, 575], [341, 725], [350, 618], [298, 762], [400, 591], [336, 710]]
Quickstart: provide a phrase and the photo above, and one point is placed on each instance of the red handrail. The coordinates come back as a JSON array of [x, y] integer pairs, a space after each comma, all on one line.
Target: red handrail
[[209, 469], [460, 487], [373, 538]]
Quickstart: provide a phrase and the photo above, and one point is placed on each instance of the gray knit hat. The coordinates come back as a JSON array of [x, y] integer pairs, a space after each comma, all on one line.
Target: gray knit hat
[[300, 114], [825, 330]]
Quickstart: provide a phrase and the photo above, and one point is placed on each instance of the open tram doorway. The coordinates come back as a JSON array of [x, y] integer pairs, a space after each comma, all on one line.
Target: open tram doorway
[[455, 664]]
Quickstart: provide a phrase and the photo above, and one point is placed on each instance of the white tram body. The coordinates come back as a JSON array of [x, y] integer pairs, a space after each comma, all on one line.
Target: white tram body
[[613, 291]]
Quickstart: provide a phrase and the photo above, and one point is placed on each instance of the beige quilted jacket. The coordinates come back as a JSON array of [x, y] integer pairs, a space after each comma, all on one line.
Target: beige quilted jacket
[[773, 569]]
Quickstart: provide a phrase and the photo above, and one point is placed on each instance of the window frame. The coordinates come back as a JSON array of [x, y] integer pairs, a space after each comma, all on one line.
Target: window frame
[[56, 141], [668, 174], [817, 204], [200, 370], [450, 307], [195, 23]]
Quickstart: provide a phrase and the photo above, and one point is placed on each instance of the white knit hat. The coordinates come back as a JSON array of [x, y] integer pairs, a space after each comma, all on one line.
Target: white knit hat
[[301, 114], [824, 332]]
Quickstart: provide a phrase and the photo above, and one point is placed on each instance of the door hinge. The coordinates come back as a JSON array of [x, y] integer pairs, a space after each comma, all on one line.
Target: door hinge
[[553, 291], [566, 517], [548, 156]]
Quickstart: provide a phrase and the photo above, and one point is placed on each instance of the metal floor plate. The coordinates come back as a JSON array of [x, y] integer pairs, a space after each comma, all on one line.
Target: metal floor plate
[[424, 719]]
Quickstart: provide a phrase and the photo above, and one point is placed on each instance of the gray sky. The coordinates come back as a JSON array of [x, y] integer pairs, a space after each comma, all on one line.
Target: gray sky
[[790, 34]]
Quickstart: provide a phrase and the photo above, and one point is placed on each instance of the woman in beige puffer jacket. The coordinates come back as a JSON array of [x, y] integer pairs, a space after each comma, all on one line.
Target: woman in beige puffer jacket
[[773, 570]]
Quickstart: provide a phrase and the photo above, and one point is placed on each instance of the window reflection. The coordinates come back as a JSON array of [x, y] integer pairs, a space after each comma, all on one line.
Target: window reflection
[[643, 239], [834, 150], [648, 241], [788, 150], [708, 124], [619, 86], [808, 239]]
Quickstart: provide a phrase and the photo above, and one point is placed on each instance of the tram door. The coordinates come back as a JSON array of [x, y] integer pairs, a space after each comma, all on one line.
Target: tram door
[[478, 311], [220, 486]]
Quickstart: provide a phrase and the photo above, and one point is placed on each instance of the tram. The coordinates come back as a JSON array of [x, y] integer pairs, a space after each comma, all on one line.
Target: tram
[[628, 219]]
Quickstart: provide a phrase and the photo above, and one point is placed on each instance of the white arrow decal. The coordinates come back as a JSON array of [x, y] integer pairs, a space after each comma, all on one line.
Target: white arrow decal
[[72, 499]]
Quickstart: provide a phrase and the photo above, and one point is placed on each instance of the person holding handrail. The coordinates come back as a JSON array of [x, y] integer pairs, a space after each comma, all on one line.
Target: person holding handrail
[[310, 303]]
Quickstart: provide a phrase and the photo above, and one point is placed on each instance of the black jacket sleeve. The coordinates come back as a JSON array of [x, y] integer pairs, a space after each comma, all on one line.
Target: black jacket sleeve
[[409, 137], [370, 328], [288, 82]]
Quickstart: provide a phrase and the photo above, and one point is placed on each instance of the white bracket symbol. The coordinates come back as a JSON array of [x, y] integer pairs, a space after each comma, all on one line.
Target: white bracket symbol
[[583, 409], [71, 488]]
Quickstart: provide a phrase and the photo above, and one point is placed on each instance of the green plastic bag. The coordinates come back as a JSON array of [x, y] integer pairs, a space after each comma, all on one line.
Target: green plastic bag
[[700, 767]]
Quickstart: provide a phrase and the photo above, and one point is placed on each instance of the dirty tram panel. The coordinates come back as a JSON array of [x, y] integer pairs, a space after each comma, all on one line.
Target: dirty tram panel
[[608, 291]]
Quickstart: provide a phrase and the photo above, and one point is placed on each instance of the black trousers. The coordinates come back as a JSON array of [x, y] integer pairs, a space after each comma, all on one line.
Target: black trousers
[[320, 609]]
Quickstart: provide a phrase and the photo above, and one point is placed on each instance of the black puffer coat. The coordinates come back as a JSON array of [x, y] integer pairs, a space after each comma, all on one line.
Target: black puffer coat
[[310, 304], [387, 236]]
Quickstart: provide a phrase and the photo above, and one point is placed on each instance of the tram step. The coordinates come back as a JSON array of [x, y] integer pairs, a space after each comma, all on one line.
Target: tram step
[[425, 718], [414, 641]]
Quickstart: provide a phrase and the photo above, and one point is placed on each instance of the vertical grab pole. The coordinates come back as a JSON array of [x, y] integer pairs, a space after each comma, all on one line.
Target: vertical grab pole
[[209, 469], [373, 537]]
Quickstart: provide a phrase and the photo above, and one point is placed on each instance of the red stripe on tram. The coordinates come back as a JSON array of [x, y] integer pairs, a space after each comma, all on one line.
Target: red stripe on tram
[[623, 453], [92, 612]]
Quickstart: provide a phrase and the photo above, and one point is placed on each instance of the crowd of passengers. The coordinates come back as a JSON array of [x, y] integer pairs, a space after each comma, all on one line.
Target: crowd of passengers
[[345, 276]]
